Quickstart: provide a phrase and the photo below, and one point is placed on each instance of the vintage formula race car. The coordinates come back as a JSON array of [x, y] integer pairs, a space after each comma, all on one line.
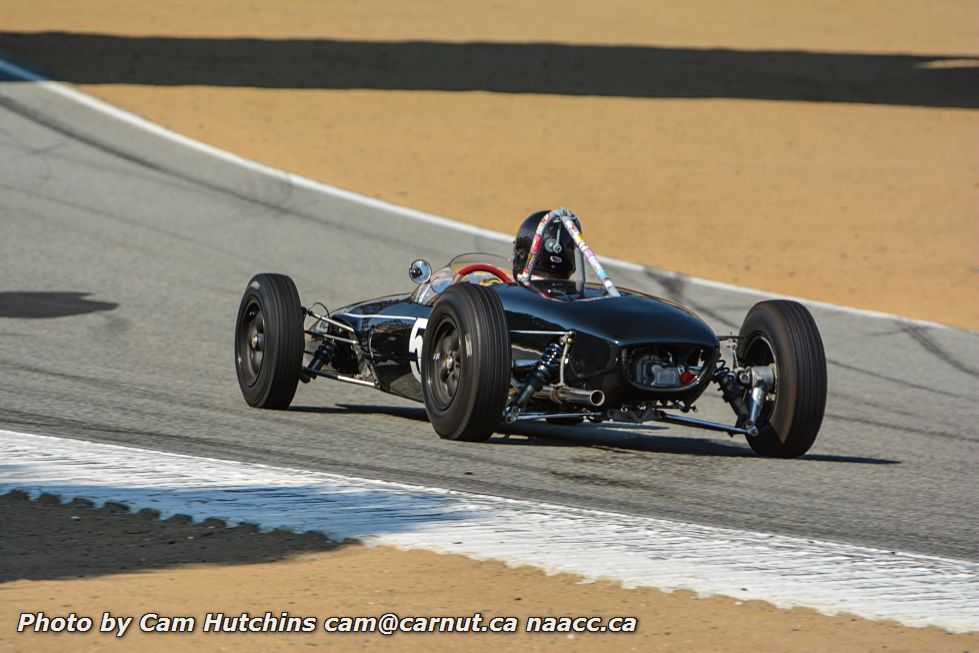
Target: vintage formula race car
[[485, 342]]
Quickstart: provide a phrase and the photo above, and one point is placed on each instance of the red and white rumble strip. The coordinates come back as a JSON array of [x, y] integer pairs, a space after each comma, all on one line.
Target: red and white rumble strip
[[916, 590]]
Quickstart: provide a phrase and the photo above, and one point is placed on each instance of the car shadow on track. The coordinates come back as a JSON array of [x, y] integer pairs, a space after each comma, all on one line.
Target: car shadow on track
[[611, 437], [628, 438], [407, 412]]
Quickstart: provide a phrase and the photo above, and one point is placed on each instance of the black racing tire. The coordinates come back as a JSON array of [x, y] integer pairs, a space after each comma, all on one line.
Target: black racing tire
[[269, 341], [565, 421], [783, 333], [466, 363]]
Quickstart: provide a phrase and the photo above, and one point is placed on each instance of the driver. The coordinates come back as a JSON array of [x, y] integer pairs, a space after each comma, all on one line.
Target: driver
[[555, 258]]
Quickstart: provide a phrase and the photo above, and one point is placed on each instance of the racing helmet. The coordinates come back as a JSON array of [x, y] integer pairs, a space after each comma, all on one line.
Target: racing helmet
[[555, 258]]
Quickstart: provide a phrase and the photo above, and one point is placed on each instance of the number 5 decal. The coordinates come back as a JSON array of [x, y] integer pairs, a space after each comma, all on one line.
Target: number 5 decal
[[415, 346]]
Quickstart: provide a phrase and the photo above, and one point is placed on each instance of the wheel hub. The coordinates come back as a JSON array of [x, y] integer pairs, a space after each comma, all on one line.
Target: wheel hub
[[251, 343], [446, 365]]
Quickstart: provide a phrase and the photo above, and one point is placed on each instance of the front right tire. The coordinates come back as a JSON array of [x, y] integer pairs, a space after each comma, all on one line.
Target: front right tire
[[783, 334]]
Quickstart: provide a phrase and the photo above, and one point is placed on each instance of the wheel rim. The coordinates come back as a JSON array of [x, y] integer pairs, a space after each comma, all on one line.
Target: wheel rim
[[445, 365], [759, 351], [251, 342]]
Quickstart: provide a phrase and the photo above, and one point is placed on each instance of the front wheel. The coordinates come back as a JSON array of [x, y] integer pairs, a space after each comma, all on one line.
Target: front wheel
[[782, 334], [466, 363], [269, 341]]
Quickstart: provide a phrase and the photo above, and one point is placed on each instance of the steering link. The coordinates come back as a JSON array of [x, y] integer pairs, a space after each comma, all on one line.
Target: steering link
[[732, 391]]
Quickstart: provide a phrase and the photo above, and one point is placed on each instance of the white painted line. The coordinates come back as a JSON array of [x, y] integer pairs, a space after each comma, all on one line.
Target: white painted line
[[95, 104], [127, 117], [915, 590]]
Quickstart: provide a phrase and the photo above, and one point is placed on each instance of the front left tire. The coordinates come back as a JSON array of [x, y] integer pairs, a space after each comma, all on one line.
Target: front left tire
[[269, 341]]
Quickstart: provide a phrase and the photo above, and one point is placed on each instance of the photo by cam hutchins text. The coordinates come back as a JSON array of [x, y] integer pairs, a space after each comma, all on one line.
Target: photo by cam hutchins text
[[388, 623]]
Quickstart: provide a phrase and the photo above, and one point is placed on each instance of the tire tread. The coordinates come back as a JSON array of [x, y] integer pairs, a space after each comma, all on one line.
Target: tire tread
[[803, 378], [279, 377], [490, 338]]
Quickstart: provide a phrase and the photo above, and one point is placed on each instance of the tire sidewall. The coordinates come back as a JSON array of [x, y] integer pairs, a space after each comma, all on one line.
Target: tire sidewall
[[276, 382], [762, 324], [800, 368], [484, 355], [254, 393], [450, 309]]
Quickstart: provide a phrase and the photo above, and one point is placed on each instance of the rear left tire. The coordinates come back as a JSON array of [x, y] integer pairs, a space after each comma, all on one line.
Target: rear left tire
[[269, 341]]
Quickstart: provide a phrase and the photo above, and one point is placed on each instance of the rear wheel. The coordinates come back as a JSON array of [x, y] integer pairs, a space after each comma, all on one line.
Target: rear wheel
[[269, 341], [466, 363], [783, 335]]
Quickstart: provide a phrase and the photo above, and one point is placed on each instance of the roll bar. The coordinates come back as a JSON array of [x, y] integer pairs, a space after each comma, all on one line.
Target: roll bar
[[583, 251]]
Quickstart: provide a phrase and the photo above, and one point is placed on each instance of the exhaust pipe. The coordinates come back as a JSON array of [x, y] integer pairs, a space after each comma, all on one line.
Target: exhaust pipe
[[567, 395]]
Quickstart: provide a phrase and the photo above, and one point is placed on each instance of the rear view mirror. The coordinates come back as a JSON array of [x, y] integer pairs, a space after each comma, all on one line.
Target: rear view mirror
[[420, 271]]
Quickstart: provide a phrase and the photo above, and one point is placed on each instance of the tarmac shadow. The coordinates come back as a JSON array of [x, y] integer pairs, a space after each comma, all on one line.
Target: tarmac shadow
[[649, 438], [39, 305]]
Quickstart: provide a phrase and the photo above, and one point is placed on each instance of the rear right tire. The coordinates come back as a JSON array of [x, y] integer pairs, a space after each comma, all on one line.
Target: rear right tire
[[466, 363]]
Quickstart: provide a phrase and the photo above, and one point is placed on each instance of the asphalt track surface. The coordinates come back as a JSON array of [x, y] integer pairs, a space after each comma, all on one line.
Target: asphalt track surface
[[124, 256]]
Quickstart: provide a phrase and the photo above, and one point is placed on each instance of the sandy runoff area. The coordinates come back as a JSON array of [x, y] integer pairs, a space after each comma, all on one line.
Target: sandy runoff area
[[826, 149]]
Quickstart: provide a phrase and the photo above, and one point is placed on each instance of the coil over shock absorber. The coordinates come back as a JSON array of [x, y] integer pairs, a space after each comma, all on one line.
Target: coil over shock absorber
[[324, 354], [549, 363]]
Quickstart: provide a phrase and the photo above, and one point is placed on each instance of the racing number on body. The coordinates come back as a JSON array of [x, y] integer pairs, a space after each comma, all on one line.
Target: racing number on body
[[415, 346]]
